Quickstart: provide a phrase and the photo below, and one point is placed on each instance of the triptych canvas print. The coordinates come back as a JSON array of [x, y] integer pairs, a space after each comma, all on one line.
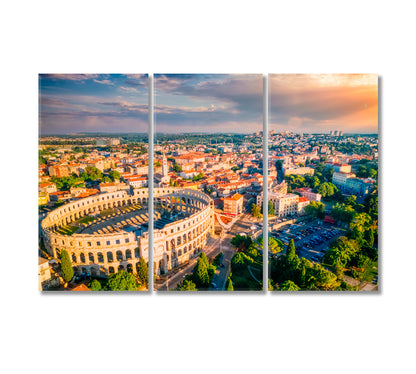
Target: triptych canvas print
[[206, 189]]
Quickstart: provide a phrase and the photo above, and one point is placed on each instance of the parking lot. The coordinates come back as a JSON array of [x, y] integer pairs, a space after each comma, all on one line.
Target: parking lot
[[311, 239]]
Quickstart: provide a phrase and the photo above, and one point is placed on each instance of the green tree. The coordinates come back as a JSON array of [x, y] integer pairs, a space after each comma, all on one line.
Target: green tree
[[270, 208], [200, 273], [289, 286], [359, 225], [343, 212], [204, 258], [325, 279], [252, 251], [326, 189], [92, 173], [351, 200], [255, 211], [66, 266], [198, 177], [229, 286], [239, 261], [369, 237], [187, 285], [42, 160], [122, 281], [291, 250], [177, 168], [95, 285], [114, 174], [371, 204], [143, 272], [312, 181], [242, 242], [340, 252], [315, 209], [275, 246]]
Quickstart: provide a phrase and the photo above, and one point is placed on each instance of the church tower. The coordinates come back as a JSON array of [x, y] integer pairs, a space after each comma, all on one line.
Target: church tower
[[164, 166]]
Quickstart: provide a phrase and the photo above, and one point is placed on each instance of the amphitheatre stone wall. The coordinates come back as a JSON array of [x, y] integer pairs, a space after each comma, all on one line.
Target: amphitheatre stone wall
[[104, 254]]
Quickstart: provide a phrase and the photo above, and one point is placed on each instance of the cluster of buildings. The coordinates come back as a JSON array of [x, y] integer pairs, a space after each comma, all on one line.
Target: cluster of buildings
[[231, 179], [287, 204], [349, 184], [209, 185], [298, 154], [65, 162]]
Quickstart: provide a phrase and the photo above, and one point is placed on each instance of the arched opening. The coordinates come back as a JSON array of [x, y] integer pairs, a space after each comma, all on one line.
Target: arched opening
[[128, 254], [82, 258], [110, 257], [100, 257], [129, 268], [162, 267], [119, 255]]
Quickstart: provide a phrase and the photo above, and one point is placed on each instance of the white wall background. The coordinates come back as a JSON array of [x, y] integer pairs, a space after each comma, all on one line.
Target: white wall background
[[282, 333]]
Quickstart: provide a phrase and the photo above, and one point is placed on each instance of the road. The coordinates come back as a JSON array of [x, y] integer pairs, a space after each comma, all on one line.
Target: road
[[214, 246], [242, 225]]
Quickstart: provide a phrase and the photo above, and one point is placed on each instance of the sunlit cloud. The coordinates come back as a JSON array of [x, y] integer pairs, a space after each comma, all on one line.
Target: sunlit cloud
[[69, 77], [320, 103]]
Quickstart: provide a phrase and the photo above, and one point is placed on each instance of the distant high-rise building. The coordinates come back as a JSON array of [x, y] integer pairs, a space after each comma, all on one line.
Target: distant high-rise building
[[331, 132]]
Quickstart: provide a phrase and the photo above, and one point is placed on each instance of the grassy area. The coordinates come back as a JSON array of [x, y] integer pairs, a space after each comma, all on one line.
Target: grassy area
[[85, 220], [67, 230], [244, 281], [108, 212]]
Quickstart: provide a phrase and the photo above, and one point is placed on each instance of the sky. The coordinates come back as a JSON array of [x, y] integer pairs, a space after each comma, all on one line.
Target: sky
[[209, 103], [73, 103], [319, 103]]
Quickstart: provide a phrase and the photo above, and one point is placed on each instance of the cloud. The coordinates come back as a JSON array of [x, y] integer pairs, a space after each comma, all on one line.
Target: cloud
[[49, 101], [216, 100], [127, 106], [70, 77], [344, 101], [104, 81]]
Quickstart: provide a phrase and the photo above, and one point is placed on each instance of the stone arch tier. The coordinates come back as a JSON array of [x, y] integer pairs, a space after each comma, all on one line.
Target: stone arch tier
[[107, 253]]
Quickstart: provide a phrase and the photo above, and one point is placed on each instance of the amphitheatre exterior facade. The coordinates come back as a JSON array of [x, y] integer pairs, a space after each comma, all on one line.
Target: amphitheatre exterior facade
[[184, 220]]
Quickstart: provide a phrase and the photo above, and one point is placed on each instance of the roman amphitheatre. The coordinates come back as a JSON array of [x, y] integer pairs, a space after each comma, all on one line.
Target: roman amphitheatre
[[109, 232]]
